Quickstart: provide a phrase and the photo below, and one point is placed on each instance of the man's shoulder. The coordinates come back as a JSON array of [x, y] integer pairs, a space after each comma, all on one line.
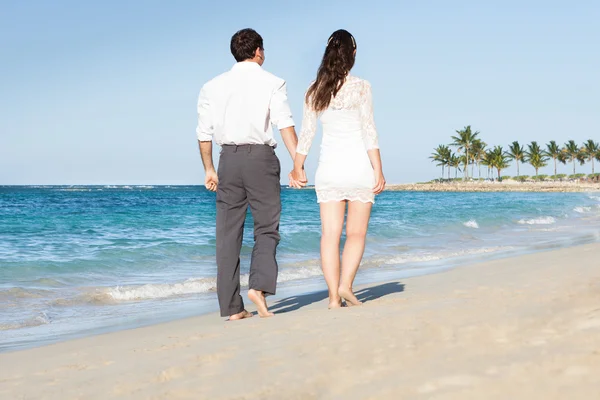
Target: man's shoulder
[[216, 80], [277, 81]]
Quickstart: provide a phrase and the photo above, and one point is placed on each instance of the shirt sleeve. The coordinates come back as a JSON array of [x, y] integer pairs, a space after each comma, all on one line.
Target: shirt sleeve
[[309, 129], [366, 118], [205, 128], [281, 115]]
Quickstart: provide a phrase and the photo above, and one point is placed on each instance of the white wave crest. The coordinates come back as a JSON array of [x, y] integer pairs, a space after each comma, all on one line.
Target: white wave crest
[[41, 319], [444, 255], [191, 286], [582, 210], [162, 290], [471, 224], [538, 221]]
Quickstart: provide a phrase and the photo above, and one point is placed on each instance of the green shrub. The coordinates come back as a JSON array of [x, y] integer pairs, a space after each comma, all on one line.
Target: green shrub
[[506, 177], [558, 177], [521, 178], [577, 176]]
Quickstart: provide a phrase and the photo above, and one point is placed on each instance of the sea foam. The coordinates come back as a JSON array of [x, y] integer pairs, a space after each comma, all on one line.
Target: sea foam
[[471, 224], [538, 221], [41, 319], [191, 286]]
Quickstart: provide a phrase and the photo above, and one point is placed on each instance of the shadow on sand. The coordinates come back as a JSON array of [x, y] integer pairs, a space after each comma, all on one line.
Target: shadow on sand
[[368, 294]]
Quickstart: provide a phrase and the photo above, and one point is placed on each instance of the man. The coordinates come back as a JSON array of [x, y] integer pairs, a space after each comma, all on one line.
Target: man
[[236, 109]]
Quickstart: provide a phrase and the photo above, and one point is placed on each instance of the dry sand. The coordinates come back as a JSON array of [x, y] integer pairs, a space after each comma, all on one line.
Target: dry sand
[[520, 328]]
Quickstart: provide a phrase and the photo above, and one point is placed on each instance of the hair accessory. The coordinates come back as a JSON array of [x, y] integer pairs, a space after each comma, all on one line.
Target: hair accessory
[[351, 37]]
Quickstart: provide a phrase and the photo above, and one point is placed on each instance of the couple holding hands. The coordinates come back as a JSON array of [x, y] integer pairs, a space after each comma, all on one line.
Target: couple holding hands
[[236, 110]]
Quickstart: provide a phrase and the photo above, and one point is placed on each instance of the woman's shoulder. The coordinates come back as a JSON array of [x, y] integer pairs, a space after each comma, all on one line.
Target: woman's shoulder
[[358, 83]]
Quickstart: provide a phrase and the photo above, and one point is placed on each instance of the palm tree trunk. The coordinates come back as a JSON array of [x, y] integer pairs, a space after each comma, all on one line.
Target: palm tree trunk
[[573, 166], [467, 164], [518, 173], [554, 166]]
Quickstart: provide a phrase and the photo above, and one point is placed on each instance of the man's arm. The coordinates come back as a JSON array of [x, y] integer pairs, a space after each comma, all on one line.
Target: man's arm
[[290, 139], [206, 154], [211, 181], [281, 116], [204, 131]]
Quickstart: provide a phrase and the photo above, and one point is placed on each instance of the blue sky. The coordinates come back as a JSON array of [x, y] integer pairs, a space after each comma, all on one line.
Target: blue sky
[[105, 92]]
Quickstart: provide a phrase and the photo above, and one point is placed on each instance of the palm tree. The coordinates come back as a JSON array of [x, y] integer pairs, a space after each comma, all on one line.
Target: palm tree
[[454, 162], [499, 160], [516, 152], [554, 152], [591, 151], [487, 162], [478, 154], [464, 142], [441, 155], [572, 152], [536, 157]]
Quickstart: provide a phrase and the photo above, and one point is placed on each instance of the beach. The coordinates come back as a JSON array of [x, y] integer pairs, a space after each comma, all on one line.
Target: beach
[[520, 328], [505, 186]]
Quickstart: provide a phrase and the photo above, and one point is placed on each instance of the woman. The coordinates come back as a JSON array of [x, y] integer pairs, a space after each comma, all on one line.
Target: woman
[[349, 171]]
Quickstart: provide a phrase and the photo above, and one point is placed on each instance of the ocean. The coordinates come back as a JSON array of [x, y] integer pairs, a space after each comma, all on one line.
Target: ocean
[[81, 260]]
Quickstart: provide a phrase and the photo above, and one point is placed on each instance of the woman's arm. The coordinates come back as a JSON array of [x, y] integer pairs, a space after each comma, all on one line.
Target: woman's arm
[[370, 138], [307, 135]]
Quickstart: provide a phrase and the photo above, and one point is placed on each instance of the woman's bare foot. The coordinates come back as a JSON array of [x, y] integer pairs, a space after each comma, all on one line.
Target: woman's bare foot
[[244, 314], [335, 302], [258, 298], [350, 298]]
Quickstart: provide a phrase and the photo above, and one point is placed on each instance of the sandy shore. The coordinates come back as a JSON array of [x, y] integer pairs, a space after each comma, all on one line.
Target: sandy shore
[[506, 186], [520, 328]]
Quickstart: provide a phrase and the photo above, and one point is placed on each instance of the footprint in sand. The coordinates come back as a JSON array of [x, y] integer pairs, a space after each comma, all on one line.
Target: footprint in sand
[[589, 324], [453, 380], [169, 374]]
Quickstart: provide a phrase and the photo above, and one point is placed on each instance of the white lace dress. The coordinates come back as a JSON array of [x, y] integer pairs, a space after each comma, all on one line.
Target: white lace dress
[[345, 171]]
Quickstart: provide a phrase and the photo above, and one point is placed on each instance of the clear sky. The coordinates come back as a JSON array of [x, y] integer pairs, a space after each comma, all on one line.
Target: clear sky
[[105, 92]]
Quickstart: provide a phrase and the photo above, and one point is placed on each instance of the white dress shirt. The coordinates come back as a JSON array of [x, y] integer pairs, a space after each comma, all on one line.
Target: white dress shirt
[[239, 106]]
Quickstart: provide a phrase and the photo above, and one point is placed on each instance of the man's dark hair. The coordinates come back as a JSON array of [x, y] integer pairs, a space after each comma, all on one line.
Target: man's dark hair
[[244, 44]]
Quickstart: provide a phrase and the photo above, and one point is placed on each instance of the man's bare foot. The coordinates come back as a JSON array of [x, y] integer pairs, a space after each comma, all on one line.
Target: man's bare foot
[[244, 314], [350, 298], [258, 298]]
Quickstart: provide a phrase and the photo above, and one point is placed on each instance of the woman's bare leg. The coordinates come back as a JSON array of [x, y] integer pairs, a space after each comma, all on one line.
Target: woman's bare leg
[[357, 224], [332, 223]]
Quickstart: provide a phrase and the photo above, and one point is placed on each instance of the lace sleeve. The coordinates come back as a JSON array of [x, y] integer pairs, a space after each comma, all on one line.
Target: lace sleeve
[[309, 129], [366, 117]]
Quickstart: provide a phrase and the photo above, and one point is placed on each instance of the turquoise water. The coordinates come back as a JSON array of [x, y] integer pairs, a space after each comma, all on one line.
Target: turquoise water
[[80, 260]]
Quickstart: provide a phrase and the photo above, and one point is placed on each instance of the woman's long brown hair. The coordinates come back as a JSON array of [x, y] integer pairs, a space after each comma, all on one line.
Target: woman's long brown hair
[[337, 62]]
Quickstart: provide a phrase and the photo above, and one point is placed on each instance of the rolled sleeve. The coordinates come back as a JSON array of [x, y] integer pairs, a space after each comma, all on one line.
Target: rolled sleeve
[[281, 114], [205, 129]]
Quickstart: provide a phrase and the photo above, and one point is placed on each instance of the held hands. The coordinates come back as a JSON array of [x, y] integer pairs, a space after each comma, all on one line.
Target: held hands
[[379, 182], [211, 181], [298, 178]]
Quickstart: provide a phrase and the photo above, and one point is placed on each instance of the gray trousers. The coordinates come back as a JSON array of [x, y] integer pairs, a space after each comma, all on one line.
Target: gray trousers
[[248, 176]]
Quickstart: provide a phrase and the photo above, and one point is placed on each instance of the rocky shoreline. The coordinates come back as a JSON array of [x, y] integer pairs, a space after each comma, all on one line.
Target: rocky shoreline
[[506, 186]]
